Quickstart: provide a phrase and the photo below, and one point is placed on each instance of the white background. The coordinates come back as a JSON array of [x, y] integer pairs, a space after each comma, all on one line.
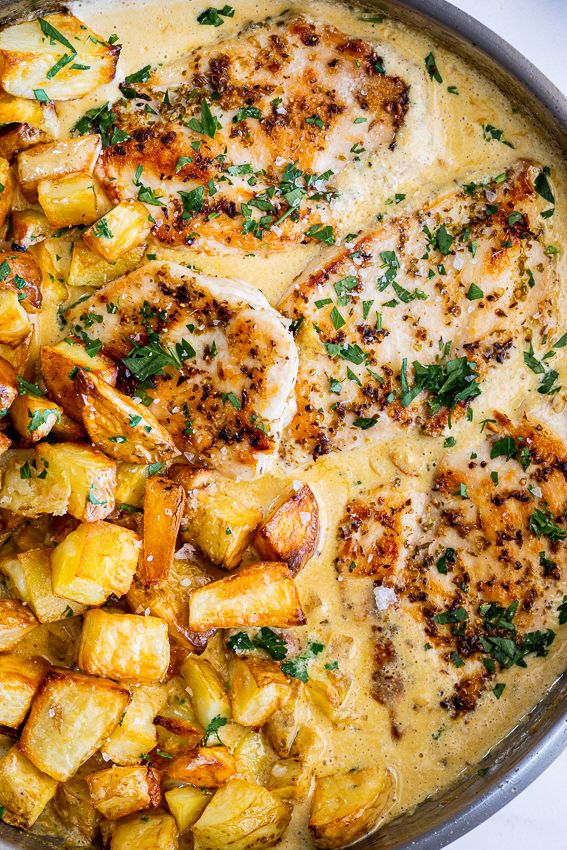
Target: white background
[[537, 818]]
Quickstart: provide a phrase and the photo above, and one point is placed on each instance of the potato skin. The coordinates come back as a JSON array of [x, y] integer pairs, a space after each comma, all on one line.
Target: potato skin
[[291, 531]]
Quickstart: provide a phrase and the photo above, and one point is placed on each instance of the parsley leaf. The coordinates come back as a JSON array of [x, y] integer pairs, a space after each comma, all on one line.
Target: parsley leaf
[[212, 729]]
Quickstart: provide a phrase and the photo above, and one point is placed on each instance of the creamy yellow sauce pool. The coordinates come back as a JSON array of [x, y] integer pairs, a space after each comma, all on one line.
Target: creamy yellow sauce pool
[[441, 142]]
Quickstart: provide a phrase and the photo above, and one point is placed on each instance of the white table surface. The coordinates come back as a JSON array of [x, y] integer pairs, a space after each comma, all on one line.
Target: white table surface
[[536, 818]]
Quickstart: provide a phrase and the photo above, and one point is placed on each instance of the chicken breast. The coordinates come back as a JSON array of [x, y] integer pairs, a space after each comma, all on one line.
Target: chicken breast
[[478, 566], [238, 144], [213, 361], [424, 304]]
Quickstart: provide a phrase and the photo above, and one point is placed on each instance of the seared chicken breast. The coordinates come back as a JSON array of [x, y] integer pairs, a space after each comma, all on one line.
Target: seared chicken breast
[[477, 564], [238, 144], [426, 302], [215, 364]]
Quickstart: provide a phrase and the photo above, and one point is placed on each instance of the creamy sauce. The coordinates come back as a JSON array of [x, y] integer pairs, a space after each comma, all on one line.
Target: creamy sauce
[[441, 142]]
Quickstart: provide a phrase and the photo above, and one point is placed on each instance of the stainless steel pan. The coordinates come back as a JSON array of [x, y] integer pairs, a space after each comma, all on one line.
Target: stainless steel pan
[[541, 735]]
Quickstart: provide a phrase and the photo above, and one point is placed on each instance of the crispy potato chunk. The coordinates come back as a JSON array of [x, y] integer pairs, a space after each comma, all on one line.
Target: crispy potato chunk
[[257, 689], [291, 531], [216, 518], [120, 230], [14, 323], [54, 259], [177, 725], [254, 757], [72, 802], [131, 484], [205, 767], [18, 137], [34, 60], [29, 227], [58, 366], [20, 678], [91, 474], [153, 831], [163, 509], [136, 734], [329, 690], [34, 416], [30, 573], [22, 275], [124, 646], [347, 806], [56, 159], [208, 693], [5, 443], [120, 791], [90, 269], [16, 620], [8, 384], [186, 804], [291, 779], [26, 488], [32, 113], [68, 200], [263, 594], [70, 718], [242, 816], [24, 790], [95, 560], [121, 428], [6, 195]]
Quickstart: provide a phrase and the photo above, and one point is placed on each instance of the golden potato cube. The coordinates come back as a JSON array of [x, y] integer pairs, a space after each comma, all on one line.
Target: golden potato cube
[[136, 735], [150, 832], [7, 190], [291, 531], [56, 159], [72, 802], [24, 790], [329, 690], [59, 368], [29, 227], [208, 693], [254, 757], [90, 269], [109, 414], [286, 728], [124, 646], [95, 560], [347, 806], [62, 70], [54, 259], [8, 385], [120, 230], [30, 573], [14, 322], [205, 767], [34, 416], [163, 509], [68, 200], [18, 137], [242, 816], [216, 519], [176, 724], [91, 474], [291, 779], [263, 594], [21, 274], [257, 689], [70, 718], [34, 113], [130, 484], [20, 678], [186, 804], [120, 791], [27, 489], [16, 620]]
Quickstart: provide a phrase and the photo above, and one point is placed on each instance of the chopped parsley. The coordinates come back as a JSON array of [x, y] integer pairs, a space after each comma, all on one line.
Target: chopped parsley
[[297, 667], [432, 69], [265, 639], [213, 17]]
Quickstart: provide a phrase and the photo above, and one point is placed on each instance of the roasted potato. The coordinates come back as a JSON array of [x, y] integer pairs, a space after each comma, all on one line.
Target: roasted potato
[[120, 791], [291, 531], [56, 159], [254, 757], [120, 427], [347, 806], [242, 816], [95, 560], [92, 477], [14, 323], [26, 488], [70, 718], [135, 734], [186, 804], [19, 137], [208, 693], [263, 594], [54, 259], [32, 113], [291, 779], [59, 364], [163, 509], [120, 230], [90, 269], [8, 384], [72, 803], [34, 416], [217, 519], [124, 646], [177, 725], [257, 689], [7, 190], [5, 443], [329, 690], [68, 200], [57, 56], [30, 573], [24, 790], [152, 831], [131, 484], [16, 620], [205, 767], [29, 227], [287, 728], [20, 677]]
